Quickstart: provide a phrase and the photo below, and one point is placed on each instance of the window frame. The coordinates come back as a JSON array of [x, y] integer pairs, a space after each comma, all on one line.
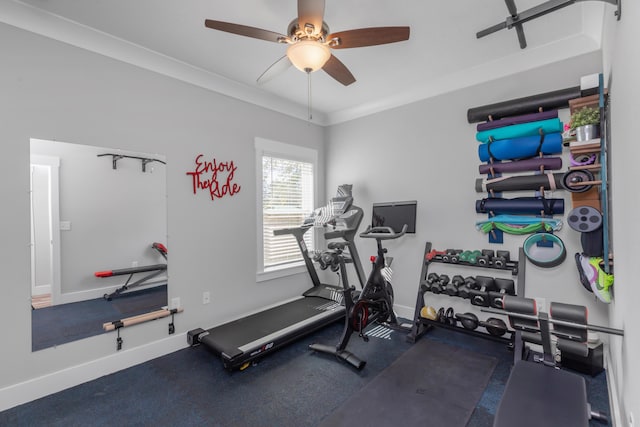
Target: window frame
[[289, 152]]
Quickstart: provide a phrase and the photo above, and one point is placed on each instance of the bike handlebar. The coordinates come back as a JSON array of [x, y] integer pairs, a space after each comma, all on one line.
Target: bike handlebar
[[383, 233]]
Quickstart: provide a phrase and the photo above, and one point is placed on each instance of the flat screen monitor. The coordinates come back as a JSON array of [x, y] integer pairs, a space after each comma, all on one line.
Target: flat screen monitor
[[395, 215]]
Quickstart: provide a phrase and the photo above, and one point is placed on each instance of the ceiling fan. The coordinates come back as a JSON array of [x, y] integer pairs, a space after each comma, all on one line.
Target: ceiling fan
[[310, 43]]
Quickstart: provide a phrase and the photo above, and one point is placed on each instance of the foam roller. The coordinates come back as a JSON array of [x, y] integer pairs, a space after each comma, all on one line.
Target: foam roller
[[520, 148], [532, 164], [521, 206], [530, 104], [547, 181]]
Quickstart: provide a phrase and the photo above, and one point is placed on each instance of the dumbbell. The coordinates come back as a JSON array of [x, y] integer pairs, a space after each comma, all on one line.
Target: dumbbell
[[463, 290], [452, 288], [485, 258], [451, 255], [439, 286], [431, 279], [470, 256], [429, 312], [501, 259], [480, 294], [504, 287]]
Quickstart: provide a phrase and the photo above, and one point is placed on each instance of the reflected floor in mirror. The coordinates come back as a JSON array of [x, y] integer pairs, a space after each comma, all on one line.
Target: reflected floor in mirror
[[64, 323]]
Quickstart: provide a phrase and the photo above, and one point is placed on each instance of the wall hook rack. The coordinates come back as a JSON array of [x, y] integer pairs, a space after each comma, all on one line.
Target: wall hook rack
[[144, 160]]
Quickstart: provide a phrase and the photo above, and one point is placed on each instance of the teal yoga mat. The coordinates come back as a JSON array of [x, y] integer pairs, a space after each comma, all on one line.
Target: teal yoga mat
[[520, 148], [520, 130]]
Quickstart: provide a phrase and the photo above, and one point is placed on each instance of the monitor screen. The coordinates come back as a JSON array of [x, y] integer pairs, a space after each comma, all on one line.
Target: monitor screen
[[395, 215]]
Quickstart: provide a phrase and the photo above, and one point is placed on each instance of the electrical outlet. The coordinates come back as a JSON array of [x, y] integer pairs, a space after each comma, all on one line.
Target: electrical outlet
[[134, 263], [541, 304], [175, 303], [206, 297]]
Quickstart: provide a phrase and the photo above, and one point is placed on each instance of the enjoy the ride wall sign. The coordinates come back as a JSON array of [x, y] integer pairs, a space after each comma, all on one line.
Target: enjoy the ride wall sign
[[214, 177]]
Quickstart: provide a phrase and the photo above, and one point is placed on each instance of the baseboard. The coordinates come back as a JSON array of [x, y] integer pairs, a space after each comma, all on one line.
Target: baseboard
[[614, 401], [71, 297], [404, 311], [18, 394]]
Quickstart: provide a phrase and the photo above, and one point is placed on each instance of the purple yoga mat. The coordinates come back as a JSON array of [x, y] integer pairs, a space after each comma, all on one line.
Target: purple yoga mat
[[533, 164], [521, 206], [516, 120]]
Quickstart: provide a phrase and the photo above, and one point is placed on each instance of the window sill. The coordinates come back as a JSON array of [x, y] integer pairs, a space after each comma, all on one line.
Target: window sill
[[278, 272]]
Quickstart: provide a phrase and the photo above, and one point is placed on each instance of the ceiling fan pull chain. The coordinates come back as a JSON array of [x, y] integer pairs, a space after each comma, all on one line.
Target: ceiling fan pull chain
[[309, 95]]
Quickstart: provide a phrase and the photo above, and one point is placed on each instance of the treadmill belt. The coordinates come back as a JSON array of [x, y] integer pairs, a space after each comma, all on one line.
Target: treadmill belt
[[231, 337]]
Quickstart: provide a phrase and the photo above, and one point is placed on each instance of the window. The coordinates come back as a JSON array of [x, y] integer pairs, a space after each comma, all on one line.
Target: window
[[286, 196]]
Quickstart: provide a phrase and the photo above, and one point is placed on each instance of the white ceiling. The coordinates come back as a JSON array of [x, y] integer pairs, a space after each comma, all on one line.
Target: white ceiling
[[442, 54]]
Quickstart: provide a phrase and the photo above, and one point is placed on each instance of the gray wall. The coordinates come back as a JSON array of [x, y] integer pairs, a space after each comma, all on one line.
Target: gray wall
[[427, 151], [57, 92]]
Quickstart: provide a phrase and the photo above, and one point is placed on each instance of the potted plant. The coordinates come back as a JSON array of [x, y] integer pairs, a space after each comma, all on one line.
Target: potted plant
[[586, 122]]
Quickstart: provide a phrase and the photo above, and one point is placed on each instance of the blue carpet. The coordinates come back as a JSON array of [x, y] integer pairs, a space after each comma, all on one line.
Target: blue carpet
[[64, 323], [291, 387]]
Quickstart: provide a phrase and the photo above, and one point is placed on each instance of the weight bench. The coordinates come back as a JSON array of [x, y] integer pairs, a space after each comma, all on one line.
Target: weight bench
[[538, 392], [153, 270]]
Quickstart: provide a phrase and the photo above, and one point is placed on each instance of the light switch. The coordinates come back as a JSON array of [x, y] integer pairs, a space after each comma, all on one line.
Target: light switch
[[65, 225]]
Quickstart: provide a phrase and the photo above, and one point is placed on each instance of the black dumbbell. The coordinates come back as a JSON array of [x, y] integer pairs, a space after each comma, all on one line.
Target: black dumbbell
[[439, 286], [431, 279], [480, 294], [463, 290], [452, 288], [501, 259], [504, 287], [446, 317], [451, 255], [485, 258]]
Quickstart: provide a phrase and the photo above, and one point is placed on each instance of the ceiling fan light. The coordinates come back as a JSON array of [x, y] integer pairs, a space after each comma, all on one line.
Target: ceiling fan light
[[308, 55]]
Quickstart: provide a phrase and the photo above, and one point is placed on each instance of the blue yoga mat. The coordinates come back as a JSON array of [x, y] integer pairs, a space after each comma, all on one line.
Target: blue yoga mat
[[520, 130], [520, 148]]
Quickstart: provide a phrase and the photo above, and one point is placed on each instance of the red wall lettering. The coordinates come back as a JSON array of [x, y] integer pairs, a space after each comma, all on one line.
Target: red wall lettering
[[214, 177]]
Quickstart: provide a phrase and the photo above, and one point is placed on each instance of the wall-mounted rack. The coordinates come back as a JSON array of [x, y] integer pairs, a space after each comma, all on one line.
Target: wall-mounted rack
[[144, 160]]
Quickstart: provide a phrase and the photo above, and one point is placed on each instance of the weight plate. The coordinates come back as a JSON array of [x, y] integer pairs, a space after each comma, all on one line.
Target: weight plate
[[584, 219], [572, 179]]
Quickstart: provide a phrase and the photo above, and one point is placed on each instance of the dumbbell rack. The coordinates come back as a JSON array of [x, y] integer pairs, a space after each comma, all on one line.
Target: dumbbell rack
[[421, 325]]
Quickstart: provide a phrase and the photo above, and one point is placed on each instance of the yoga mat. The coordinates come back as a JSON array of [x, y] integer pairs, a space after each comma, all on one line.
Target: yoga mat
[[521, 205], [549, 181], [520, 148], [532, 164], [530, 104], [514, 120], [520, 130], [432, 384]]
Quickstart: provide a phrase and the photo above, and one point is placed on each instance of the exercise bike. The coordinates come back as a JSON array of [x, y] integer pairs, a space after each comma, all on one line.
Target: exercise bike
[[374, 303]]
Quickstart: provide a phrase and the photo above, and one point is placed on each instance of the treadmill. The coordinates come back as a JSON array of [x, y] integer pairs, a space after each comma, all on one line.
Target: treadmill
[[243, 340]]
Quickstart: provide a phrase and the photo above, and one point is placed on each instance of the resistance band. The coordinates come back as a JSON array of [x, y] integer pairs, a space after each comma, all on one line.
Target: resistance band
[[514, 224]]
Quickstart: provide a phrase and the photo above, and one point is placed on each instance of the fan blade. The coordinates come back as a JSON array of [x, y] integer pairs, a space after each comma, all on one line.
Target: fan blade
[[244, 30], [369, 36], [311, 12], [338, 71], [277, 68]]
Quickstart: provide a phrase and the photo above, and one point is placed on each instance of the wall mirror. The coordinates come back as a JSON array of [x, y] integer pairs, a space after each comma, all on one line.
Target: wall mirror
[[98, 238]]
